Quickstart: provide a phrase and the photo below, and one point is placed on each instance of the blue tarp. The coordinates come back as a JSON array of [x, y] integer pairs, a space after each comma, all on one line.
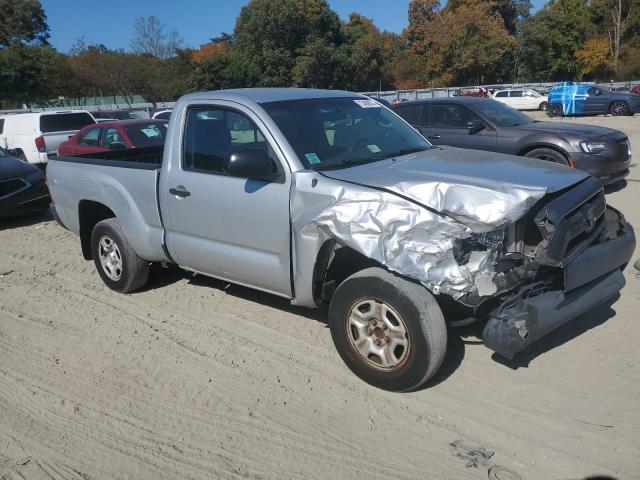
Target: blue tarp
[[570, 95]]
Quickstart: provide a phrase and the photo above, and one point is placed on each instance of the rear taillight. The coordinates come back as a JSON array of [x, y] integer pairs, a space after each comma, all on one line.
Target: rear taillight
[[40, 145]]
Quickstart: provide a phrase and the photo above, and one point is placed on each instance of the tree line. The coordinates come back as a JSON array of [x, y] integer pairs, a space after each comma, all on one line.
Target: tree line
[[305, 43]]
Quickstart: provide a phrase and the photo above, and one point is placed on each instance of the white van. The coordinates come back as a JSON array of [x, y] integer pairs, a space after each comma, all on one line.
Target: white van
[[522, 99], [36, 135]]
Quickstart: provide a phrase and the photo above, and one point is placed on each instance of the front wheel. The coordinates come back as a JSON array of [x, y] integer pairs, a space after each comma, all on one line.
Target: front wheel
[[543, 106], [619, 108], [120, 268], [390, 332], [548, 154], [555, 110]]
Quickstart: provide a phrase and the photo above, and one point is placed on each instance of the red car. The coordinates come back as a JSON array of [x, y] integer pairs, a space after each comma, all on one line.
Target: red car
[[116, 135]]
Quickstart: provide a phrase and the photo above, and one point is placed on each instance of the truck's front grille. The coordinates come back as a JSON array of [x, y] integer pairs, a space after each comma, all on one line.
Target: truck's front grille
[[570, 222], [9, 187]]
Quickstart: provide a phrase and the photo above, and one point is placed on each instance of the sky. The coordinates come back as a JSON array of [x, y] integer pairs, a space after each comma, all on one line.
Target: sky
[[111, 22]]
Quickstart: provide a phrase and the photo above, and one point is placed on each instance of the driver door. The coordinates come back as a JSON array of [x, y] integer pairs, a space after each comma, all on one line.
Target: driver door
[[232, 228], [596, 101], [446, 124]]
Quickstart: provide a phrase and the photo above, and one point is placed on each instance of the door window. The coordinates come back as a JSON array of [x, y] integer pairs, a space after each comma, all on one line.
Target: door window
[[90, 138], [502, 94], [516, 93], [112, 136], [211, 134], [450, 116], [411, 113]]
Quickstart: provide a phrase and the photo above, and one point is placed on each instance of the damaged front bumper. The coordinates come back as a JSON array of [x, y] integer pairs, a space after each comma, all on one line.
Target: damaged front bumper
[[593, 277]]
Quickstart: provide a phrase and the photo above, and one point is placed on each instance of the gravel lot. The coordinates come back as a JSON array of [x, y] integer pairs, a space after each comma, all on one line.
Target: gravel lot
[[191, 379]]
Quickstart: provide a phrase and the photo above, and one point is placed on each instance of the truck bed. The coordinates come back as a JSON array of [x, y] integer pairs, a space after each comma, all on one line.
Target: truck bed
[[124, 180], [148, 158]]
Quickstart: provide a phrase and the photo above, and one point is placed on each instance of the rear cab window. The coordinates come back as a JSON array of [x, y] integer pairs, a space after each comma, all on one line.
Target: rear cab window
[[146, 135], [64, 122]]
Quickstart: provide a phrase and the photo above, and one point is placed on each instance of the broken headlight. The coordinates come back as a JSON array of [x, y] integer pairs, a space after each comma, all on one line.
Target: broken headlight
[[493, 240]]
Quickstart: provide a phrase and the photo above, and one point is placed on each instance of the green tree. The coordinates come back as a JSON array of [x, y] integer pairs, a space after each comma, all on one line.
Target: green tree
[[512, 11], [461, 44], [551, 37], [22, 22], [23, 73], [270, 36]]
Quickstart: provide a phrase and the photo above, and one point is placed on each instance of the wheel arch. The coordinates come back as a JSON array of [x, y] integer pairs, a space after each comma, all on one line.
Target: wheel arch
[[334, 264], [89, 214], [534, 146]]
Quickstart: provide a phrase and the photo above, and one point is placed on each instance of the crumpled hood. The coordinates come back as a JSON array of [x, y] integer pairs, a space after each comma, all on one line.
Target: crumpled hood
[[482, 190], [562, 128]]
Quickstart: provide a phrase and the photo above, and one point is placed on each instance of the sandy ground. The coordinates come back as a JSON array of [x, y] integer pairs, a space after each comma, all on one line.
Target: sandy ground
[[190, 379]]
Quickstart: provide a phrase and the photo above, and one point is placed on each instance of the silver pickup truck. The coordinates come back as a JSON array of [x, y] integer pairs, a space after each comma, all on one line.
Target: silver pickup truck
[[329, 198]]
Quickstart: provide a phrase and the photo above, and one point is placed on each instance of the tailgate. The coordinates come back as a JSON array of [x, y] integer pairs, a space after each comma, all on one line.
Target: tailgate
[[53, 140]]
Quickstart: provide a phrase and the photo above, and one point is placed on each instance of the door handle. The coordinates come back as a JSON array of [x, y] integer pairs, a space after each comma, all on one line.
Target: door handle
[[435, 137], [179, 192]]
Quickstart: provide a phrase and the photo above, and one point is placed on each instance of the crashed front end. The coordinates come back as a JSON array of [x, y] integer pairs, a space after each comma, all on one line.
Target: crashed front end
[[576, 247], [518, 257]]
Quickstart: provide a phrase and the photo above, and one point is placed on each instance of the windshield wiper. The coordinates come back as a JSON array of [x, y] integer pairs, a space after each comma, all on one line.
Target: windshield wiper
[[362, 161], [347, 163], [404, 151]]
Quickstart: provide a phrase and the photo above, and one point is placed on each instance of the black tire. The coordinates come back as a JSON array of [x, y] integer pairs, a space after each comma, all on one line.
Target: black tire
[[134, 271], [417, 311], [543, 106], [555, 110], [619, 108], [548, 155]]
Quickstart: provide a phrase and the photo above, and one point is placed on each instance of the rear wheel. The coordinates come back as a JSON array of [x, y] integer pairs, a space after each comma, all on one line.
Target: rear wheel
[[619, 108], [390, 332], [548, 154], [120, 268]]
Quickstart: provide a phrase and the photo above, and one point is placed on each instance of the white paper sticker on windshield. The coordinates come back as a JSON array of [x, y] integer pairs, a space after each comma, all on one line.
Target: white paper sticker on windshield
[[368, 103], [374, 148]]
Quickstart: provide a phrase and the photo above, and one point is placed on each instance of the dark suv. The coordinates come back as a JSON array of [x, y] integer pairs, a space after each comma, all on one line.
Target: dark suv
[[485, 124]]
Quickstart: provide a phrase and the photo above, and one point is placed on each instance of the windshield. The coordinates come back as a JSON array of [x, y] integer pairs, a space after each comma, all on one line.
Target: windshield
[[146, 135], [503, 115], [337, 132], [3, 153]]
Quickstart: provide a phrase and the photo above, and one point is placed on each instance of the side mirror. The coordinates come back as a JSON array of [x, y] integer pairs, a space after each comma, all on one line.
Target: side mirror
[[475, 125], [252, 164]]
